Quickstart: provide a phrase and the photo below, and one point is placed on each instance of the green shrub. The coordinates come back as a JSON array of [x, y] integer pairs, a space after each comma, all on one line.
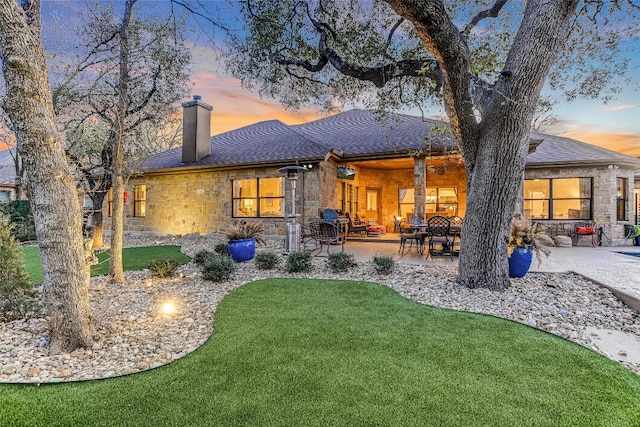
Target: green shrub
[[17, 297], [218, 268], [267, 260], [163, 267], [384, 264], [201, 257], [20, 213], [299, 261], [222, 249], [340, 262]]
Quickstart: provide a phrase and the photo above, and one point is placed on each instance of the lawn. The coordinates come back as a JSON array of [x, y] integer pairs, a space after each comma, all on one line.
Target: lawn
[[303, 352], [133, 259]]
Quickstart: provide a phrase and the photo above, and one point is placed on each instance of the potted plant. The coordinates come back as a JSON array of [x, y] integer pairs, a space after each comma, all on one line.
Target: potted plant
[[242, 237], [524, 240]]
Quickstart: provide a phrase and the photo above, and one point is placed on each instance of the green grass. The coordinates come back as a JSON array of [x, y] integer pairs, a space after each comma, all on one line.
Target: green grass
[[296, 352], [132, 259]]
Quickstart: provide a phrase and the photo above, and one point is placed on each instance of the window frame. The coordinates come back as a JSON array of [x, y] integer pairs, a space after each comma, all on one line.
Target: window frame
[[551, 200], [258, 199], [140, 203], [621, 198]]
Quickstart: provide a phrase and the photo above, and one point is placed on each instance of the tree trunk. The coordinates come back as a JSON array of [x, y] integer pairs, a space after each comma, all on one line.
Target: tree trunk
[[496, 158], [51, 187], [116, 270], [97, 221], [118, 140]]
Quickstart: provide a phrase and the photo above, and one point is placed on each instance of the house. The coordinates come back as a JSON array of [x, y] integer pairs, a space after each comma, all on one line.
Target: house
[[359, 163], [7, 176]]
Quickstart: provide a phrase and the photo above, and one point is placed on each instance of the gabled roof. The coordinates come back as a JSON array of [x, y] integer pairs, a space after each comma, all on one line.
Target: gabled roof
[[556, 150], [361, 135], [7, 168]]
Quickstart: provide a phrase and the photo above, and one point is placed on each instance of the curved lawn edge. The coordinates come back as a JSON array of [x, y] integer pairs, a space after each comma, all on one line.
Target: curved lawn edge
[[318, 352]]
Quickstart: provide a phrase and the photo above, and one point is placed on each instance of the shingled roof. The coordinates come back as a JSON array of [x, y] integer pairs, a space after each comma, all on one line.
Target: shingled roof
[[359, 135], [556, 150]]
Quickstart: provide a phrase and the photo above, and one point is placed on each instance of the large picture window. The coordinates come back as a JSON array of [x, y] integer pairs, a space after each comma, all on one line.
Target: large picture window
[[140, 200], [621, 199], [558, 198], [258, 198]]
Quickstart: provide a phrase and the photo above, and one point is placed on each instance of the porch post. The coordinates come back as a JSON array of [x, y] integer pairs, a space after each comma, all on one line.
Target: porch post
[[419, 185]]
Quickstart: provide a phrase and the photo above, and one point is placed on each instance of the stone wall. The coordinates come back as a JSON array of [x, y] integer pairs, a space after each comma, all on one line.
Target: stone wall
[[604, 195]]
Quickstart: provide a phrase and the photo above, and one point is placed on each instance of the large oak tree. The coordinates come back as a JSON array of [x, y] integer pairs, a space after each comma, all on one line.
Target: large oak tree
[[486, 61], [50, 184]]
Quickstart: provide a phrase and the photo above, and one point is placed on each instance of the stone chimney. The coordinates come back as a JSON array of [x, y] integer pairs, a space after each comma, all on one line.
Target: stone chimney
[[196, 130]]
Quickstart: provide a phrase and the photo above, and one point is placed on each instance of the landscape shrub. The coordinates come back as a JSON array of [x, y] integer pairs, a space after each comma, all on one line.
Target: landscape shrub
[[299, 261], [163, 267], [17, 297], [201, 257], [19, 211], [222, 249], [384, 264], [218, 268], [267, 260], [340, 262]]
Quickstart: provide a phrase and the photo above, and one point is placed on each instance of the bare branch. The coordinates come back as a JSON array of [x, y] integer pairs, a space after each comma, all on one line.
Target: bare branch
[[489, 13]]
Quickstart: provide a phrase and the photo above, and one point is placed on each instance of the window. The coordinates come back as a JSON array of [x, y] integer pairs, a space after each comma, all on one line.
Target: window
[[558, 198], [258, 197], [406, 202], [372, 200], [621, 199], [139, 200], [441, 201], [5, 196], [347, 197]]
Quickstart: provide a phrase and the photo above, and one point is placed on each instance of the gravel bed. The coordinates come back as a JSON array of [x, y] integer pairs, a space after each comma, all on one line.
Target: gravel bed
[[133, 335]]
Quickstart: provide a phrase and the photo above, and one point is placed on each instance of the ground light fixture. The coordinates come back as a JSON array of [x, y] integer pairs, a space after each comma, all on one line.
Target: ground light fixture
[[292, 242]]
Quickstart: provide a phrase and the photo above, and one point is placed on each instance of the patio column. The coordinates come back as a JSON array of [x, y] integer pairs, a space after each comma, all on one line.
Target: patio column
[[419, 184]]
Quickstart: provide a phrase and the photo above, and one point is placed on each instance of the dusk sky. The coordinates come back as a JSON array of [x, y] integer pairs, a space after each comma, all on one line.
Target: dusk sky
[[615, 125]]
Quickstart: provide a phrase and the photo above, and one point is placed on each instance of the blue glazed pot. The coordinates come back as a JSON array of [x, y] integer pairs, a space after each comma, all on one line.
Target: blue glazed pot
[[520, 261], [242, 250]]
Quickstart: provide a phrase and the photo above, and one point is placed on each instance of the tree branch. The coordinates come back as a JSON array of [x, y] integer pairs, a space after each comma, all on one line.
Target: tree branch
[[489, 13]]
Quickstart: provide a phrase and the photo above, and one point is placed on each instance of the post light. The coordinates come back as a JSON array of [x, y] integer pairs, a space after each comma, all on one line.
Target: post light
[[292, 242]]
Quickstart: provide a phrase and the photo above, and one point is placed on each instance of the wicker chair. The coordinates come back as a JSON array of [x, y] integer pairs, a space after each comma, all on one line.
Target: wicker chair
[[326, 234], [355, 226]]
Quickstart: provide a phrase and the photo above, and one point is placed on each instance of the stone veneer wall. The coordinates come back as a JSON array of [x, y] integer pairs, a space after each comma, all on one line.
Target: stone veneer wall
[[604, 194]]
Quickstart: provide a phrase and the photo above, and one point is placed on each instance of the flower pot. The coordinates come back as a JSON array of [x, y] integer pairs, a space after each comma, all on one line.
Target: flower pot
[[242, 250], [520, 261]]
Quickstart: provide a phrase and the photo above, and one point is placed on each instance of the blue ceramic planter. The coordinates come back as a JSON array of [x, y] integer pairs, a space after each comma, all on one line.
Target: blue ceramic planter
[[520, 261], [242, 250]]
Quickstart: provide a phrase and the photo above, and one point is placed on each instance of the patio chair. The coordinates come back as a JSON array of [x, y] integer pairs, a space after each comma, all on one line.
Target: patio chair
[[585, 228], [455, 229], [410, 235], [438, 227], [326, 234], [355, 226]]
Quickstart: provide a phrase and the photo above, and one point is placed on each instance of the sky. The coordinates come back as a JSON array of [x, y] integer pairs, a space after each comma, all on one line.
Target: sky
[[614, 125]]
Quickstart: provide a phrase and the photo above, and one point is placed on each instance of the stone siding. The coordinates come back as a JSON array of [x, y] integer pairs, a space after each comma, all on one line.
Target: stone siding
[[604, 195]]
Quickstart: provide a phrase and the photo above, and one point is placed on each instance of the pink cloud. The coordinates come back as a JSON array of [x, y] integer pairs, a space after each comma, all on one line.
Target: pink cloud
[[625, 144]]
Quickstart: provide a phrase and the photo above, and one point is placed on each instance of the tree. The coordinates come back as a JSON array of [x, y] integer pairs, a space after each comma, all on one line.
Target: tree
[[50, 184], [119, 100], [488, 72]]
